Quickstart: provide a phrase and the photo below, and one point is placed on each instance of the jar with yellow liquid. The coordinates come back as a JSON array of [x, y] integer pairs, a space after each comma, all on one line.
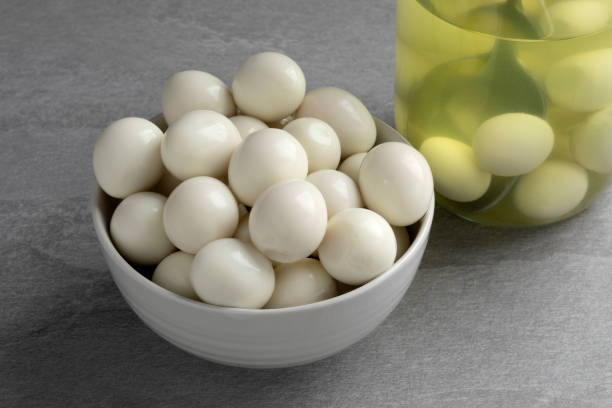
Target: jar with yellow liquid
[[510, 101]]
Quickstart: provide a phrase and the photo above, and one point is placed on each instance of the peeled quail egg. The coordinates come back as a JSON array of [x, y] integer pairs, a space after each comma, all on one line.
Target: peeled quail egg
[[552, 190], [247, 125], [350, 166], [187, 91], [569, 19], [269, 86], [288, 221], [319, 140], [173, 272], [199, 143], [300, 283], [264, 158], [345, 113], [358, 246], [403, 240], [137, 228], [243, 234], [512, 144], [455, 171], [200, 210], [127, 158], [228, 272], [591, 144], [396, 182], [582, 82], [338, 189]]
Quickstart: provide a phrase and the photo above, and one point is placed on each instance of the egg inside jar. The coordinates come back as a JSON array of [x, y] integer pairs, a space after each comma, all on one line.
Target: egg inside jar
[[261, 196], [510, 102]]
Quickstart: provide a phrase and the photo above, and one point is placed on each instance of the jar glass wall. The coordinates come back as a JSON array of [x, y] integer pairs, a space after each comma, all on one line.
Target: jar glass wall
[[510, 101]]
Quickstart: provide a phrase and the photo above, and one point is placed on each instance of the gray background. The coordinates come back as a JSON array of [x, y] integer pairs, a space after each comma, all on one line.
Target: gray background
[[495, 318]]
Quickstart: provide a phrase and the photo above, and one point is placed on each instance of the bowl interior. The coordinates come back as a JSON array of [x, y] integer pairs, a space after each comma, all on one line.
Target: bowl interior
[[104, 205]]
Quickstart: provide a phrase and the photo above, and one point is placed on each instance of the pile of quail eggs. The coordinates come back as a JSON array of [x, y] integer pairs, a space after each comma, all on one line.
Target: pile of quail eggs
[[265, 196]]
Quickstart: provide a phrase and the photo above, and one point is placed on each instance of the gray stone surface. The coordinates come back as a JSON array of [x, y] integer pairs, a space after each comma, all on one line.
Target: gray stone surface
[[495, 318]]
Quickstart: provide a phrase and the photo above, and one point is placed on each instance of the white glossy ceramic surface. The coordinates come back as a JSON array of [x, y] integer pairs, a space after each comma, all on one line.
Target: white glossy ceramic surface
[[264, 338]]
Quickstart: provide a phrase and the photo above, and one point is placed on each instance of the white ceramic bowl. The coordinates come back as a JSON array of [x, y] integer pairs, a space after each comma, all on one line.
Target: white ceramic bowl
[[264, 338]]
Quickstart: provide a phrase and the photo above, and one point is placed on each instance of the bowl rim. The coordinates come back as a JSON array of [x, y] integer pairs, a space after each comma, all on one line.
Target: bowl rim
[[100, 226]]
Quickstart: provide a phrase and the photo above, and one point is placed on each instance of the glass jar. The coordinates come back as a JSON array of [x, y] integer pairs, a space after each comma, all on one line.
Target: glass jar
[[510, 101]]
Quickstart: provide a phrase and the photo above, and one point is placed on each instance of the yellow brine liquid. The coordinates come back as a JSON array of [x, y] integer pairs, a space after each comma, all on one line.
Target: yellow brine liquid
[[510, 102]]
